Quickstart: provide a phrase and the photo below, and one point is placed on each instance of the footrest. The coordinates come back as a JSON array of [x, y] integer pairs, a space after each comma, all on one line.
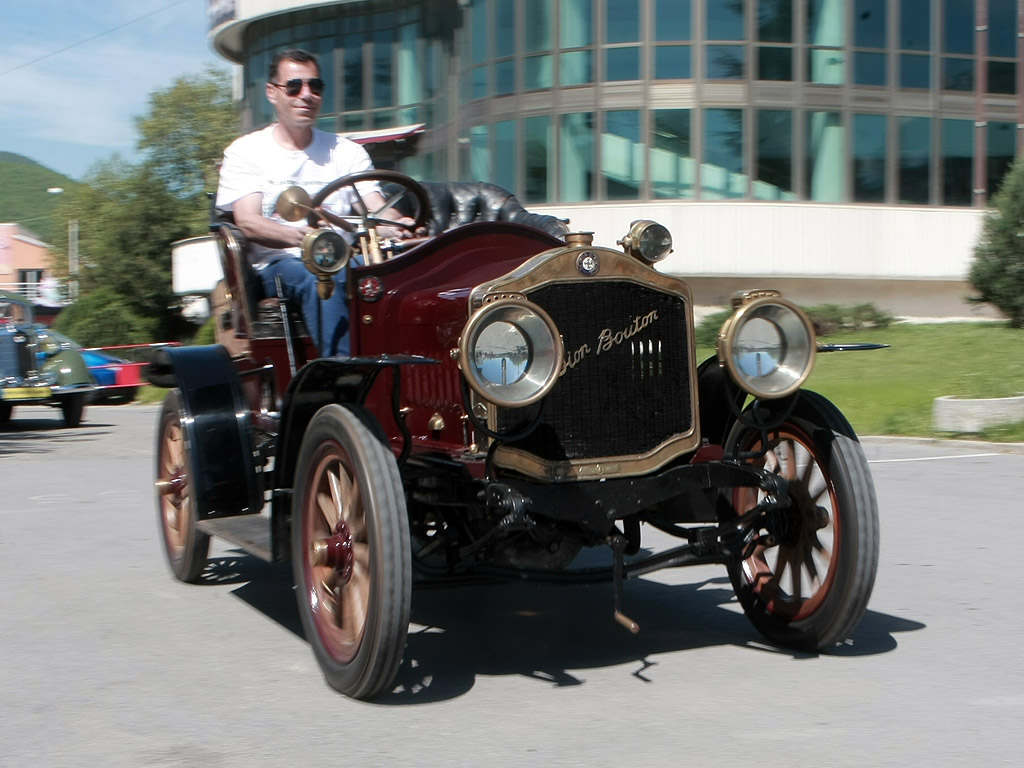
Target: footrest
[[250, 532]]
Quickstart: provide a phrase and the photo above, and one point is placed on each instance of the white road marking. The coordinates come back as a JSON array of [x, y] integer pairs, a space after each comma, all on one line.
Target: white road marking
[[935, 458]]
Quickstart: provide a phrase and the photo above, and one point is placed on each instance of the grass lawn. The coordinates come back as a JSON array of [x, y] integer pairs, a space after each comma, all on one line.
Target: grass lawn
[[890, 391]]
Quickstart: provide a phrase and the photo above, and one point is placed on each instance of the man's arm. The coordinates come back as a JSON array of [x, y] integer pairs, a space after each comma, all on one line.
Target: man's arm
[[249, 218]]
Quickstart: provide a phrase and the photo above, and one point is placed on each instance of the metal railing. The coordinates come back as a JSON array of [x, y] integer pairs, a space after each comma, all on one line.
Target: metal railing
[[46, 294]]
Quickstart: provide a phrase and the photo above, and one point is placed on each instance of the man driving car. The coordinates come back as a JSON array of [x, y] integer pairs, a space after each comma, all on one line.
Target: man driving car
[[260, 165]]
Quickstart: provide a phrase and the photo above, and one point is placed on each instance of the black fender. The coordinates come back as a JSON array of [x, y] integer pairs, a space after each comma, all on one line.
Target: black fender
[[721, 399], [217, 426], [324, 381]]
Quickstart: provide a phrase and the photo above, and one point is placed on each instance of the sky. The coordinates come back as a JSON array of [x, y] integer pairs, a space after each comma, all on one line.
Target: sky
[[74, 74]]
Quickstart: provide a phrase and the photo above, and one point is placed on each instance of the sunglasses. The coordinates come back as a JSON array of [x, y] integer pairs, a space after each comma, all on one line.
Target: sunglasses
[[293, 87]]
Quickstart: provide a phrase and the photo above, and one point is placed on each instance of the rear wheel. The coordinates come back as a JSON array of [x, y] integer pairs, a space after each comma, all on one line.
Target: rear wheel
[[186, 547], [6, 409], [806, 582], [350, 552], [72, 407]]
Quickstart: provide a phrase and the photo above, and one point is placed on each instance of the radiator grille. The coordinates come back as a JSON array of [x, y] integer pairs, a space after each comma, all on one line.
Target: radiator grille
[[628, 390]]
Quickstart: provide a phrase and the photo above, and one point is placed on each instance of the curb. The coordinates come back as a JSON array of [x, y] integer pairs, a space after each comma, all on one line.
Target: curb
[[1017, 448]]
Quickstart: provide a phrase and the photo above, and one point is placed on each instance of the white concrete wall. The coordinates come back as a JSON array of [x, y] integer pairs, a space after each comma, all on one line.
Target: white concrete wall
[[798, 240], [910, 261]]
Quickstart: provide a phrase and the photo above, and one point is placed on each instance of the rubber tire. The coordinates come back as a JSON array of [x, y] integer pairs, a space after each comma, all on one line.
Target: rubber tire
[[827, 618], [185, 547], [6, 410], [73, 406], [341, 437]]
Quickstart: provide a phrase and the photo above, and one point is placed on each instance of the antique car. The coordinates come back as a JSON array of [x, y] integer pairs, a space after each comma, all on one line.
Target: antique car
[[36, 368], [515, 394]]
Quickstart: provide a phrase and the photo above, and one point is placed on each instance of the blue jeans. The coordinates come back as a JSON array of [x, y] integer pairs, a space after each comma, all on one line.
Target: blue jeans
[[326, 321]]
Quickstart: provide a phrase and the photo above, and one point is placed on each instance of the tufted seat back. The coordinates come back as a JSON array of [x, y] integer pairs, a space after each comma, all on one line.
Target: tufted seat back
[[455, 203]]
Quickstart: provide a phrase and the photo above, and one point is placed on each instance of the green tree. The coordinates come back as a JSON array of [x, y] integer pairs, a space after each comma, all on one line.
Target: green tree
[[997, 271], [184, 135], [129, 214]]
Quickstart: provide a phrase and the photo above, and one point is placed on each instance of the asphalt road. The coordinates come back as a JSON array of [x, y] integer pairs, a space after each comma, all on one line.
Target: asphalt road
[[105, 660]]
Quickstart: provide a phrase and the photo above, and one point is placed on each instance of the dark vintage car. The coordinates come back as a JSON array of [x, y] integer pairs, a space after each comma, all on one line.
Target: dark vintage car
[[516, 393], [37, 368]]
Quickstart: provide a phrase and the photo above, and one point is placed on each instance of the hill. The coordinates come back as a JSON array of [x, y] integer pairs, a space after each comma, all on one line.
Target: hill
[[23, 195]]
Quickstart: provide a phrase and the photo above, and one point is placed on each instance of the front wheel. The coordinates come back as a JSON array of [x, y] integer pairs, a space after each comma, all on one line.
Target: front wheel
[[350, 552], [72, 407], [806, 581]]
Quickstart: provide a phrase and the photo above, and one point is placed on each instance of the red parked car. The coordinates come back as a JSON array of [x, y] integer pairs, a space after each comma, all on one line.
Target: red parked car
[[516, 393]]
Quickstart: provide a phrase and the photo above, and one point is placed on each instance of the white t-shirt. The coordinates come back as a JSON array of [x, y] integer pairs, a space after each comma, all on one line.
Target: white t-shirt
[[255, 162]]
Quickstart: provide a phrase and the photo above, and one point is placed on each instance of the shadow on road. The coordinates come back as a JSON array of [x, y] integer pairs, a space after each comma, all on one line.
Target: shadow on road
[[34, 436], [544, 631]]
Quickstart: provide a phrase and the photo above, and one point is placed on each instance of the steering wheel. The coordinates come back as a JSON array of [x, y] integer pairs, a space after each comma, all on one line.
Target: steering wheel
[[409, 190]]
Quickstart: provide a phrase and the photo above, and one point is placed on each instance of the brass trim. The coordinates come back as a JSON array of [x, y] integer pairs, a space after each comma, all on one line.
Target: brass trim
[[559, 266]]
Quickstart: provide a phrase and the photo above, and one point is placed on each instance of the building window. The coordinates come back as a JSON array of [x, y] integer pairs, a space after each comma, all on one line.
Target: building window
[[826, 179], [957, 74], [869, 144], [504, 28], [538, 27], [725, 20], [576, 68], [505, 154], [577, 23], [915, 71], [672, 62], [915, 142], [722, 172], [672, 20], [825, 57], [1001, 140], [774, 63], [673, 169], [622, 155], [537, 72], [576, 155], [915, 25], [622, 21], [773, 176], [476, 157], [869, 68], [958, 26], [622, 63], [537, 159], [726, 62], [957, 162]]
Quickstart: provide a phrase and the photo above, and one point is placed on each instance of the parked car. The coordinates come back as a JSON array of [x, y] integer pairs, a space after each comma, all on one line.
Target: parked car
[[37, 368], [516, 393]]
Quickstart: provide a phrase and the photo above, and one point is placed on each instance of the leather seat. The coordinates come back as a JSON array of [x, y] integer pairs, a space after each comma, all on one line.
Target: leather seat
[[455, 203]]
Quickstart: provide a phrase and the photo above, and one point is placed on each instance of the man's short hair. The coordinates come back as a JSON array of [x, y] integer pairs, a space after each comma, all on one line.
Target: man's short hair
[[291, 54]]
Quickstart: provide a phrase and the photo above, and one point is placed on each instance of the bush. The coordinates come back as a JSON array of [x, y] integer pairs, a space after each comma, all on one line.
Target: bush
[[997, 271], [826, 318], [831, 318], [207, 333], [103, 319]]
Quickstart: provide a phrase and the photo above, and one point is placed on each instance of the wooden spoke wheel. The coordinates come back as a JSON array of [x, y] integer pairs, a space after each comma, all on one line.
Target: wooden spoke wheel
[[806, 581], [350, 552], [186, 547]]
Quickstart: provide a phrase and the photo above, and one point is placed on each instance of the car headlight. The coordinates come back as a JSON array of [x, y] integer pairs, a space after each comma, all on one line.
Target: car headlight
[[511, 353], [768, 346], [648, 241]]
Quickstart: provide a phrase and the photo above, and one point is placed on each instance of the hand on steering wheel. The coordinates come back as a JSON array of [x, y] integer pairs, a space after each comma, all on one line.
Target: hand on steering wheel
[[410, 193]]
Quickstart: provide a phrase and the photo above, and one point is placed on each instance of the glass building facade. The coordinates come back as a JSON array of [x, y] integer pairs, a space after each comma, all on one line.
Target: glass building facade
[[893, 102]]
